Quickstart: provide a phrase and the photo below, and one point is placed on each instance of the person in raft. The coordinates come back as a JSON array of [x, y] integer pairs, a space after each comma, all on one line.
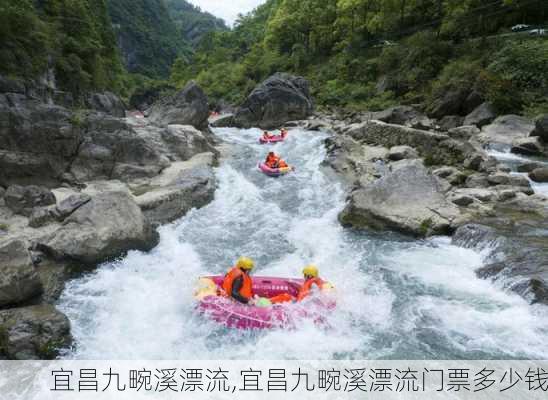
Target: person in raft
[[312, 282], [274, 161], [267, 136], [283, 132], [237, 282]]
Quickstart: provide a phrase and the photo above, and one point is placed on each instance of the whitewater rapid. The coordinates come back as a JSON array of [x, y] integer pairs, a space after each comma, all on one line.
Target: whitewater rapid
[[398, 298]]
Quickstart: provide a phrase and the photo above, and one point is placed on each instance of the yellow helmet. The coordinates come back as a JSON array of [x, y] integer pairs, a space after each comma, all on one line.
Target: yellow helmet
[[311, 270], [245, 263]]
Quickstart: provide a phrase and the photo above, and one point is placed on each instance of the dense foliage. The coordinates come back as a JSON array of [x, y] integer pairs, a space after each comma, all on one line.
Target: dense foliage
[[372, 53], [192, 22], [74, 37]]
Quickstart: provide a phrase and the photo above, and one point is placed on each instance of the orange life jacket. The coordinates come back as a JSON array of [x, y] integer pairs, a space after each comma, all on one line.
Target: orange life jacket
[[247, 286], [305, 288], [272, 161]]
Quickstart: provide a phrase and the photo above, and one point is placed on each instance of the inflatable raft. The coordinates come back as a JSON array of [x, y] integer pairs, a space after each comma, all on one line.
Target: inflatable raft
[[273, 139], [228, 312], [274, 171]]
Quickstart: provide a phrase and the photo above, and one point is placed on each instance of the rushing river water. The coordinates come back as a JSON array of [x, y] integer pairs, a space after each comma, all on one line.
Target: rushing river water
[[398, 299]]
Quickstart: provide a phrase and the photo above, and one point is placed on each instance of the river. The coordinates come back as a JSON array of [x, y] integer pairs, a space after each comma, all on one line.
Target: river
[[398, 298]]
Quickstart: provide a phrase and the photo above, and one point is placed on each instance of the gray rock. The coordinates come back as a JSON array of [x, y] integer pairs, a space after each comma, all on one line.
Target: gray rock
[[223, 121], [477, 181], [399, 115], [473, 101], [529, 166], [409, 200], [505, 195], [462, 200], [507, 128], [32, 333], [450, 122], [541, 128], [451, 103], [22, 199], [481, 116], [106, 102], [279, 99], [106, 227], [185, 141], [18, 278], [2, 192], [41, 216], [483, 195], [186, 107], [539, 175], [193, 188], [398, 153], [451, 174], [70, 204], [437, 148], [464, 132], [528, 146]]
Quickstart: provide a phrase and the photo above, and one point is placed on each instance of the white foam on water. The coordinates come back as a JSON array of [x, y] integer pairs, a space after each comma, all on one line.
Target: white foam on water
[[390, 292]]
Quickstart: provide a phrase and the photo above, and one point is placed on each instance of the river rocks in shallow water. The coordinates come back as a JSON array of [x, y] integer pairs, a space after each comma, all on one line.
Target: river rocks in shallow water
[[477, 181], [481, 116], [106, 227], [409, 200], [539, 175], [506, 129], [189, 106], [528, 146], [222, 121], [280, 98], [22, 199], [398, 153], [483, 195], [18, 278], [541, 128], [462, 200], [32, 333], [503, 178]]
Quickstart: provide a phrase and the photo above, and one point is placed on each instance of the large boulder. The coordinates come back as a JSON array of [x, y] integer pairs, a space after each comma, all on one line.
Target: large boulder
[[398, 153], [541, 128], [481, 116], [33, 333], [222, 121], [143, 98], [18, 278], [185, 141], [181, 187], [23, 199], [280, 98], [409, 200], [528, 146], [451, 103], [106, 227], [539, 175], [188, 106], [107, 103], [506, 129]]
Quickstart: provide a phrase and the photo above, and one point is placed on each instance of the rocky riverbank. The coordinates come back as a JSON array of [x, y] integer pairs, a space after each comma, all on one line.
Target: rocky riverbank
[[82, 186], [409, 173]]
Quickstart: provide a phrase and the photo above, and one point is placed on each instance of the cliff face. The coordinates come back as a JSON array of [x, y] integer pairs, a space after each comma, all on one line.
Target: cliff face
[[192, 22], [153, 33], [147, 36]]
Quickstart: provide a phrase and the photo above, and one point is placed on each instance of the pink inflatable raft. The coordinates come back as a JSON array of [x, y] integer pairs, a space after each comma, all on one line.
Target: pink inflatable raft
[[274, 171], [273, 139], [232, 314]]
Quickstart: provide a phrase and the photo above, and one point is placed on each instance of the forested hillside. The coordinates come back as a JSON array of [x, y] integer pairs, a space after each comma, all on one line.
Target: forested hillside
[[374, 53], [74, 37], [192, 22]]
